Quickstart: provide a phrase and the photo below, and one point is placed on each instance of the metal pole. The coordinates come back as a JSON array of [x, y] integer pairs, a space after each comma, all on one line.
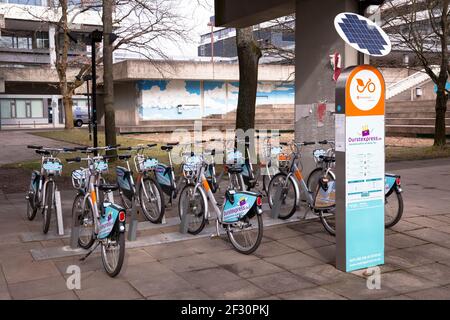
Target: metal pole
[[89, 111], [94, 94]]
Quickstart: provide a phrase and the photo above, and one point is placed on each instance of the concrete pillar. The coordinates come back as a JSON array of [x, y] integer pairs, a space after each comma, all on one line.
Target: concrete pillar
[[316, 39], [52, 46]]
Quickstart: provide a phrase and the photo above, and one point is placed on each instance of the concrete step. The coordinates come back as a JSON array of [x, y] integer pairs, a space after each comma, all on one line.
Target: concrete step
[[414, 115], [411, 130], [413, 121]]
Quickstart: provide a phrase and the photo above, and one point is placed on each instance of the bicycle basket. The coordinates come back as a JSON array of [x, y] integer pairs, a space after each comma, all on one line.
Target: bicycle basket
[[235, 157], [79, 179], [52, 167], [148, 164], [101, 166], [283, 160], [317, 154], [190, 167]]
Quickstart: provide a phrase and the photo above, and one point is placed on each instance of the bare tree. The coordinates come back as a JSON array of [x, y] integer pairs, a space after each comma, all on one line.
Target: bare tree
[[249, 54], [139, 25], [285, 54], [422, 27]]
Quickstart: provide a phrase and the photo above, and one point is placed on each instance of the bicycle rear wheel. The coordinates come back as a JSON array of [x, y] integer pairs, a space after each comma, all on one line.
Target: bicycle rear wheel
[[329, 221], [192, 203], [286, 195], [113, 253], [393, 209], [49, 206], [31, 206], [152, 200], [246, 234]]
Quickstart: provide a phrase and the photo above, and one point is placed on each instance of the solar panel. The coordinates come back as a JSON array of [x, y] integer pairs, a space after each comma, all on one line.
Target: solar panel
[[362, 34]]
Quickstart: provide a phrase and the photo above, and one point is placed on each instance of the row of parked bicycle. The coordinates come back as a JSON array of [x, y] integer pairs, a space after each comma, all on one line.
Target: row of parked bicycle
[[145, 181]]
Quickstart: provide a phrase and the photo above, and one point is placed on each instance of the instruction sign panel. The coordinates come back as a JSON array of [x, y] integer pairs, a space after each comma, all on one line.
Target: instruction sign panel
[[360, 203]]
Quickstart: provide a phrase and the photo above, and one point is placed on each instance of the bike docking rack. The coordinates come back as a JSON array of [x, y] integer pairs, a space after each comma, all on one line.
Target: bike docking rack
[[59, 215]]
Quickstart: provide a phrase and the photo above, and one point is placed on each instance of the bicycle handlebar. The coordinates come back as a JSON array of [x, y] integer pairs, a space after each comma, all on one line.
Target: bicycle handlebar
[[34, 147]]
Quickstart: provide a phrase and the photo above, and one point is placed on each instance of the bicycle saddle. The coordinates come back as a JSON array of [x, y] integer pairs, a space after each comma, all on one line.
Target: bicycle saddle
[[328, 158], [108, 187], [166, 148], [234, 169], [124, 156]]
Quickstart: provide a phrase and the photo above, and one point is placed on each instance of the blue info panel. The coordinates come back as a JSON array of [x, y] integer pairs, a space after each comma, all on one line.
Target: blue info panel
[[365, 234]]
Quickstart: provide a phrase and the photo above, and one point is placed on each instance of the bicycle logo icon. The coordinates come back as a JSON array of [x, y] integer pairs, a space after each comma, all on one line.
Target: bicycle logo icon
[[369, 86]]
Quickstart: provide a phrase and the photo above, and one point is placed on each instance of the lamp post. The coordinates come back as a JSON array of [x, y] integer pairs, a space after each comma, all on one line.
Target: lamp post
[[86, 78], [96, 36]]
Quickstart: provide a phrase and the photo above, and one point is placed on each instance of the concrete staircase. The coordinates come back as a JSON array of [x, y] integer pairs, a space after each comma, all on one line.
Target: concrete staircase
[[406, 84], [268, 117], [412, 118]]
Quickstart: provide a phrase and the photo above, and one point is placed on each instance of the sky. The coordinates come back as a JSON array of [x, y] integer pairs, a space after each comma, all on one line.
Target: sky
[[197, 14]]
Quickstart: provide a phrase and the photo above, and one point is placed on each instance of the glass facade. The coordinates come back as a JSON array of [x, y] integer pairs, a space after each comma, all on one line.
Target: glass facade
[[25, 40], [21, 108]]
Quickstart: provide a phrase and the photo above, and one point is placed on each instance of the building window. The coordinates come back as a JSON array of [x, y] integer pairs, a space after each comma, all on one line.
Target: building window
[[26, 2], [21, 109], [202, 51], [42, 40], [16, 40], [37, 109], [5, 109]]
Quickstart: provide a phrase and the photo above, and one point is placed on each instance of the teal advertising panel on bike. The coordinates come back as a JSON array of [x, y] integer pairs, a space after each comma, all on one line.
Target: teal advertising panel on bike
[[238, 205], [108, 220]]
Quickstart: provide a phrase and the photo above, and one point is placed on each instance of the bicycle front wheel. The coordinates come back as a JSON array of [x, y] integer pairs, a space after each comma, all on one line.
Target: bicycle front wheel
[[246, 234], [285, 193], [313, 180], [192, 202], [85, 220], [113, 253], [393, 209], [49, 206], [152, 200]]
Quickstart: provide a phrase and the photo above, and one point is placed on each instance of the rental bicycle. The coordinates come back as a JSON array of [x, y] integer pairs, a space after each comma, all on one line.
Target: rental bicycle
[[146, 191], [41, 194], [101, 221], [240, 213]]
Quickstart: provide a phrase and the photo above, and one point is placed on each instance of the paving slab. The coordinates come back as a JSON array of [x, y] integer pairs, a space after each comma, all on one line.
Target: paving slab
[[38, 288], [293, 260], [304, 242], [117, 290], [235, 290], [312, 294], [442, 293], [272, 249], [208, 277], [357, 289], [23, 272], [185, 295], [253, 268], [436, 272], [166, 285], [323, 274], [190, 263], [401, 241], [402, 282], [281, 282]]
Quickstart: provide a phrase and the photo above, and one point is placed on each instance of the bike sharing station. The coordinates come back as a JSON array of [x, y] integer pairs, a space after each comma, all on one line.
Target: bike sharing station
[[359, 112]]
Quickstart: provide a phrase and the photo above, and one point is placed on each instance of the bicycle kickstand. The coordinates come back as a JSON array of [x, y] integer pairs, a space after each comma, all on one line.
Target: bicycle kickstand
[[217, 233], [90, 252]]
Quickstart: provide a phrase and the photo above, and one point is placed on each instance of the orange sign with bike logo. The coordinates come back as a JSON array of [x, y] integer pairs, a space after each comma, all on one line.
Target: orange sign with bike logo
[[365, 90]]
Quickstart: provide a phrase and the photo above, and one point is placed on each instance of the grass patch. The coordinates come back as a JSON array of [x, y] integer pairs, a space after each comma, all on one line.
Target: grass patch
[[416, 153], [81, 137]]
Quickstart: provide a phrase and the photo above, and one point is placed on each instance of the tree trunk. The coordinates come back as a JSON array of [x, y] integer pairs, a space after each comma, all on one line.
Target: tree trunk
[[249, 54], [441, 109], [108, 81], [68, 107]]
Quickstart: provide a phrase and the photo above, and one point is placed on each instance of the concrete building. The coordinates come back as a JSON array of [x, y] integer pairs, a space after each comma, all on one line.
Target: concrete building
[[179, 92], [28, 43], [222, 42]]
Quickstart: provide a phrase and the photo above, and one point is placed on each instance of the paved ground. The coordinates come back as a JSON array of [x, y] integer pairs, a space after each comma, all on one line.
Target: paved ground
[[13, 146], [294, 261]]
